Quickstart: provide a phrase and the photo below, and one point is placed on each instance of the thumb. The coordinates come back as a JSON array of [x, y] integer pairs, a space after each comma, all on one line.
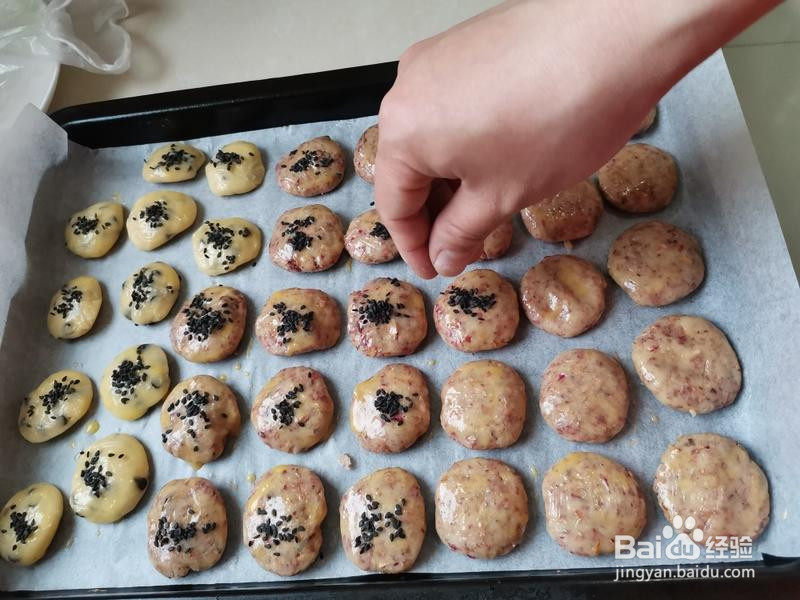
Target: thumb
[[458, 232]]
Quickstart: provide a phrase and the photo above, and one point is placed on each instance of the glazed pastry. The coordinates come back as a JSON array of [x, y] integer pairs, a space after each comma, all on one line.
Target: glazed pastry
[[382, 521], [365, 153], [28, 523], [484, 405], [713, 479], [296, 321], [640, 178], [74, 308], [172, 163], [282, 519], [368, 241], [687, 364], [584, 396], [315, 167], [656, 263], [563, 295], [293, 412], [197, 417], [93, 231], [481, 508], [497, 242], [110, 478], [223, 245], [386, 318], [149, 293], [478, 311], [648, 121], [187, 527], [235, 169], [157, 217], [391, 409], [569, 215], [307, 239], [136, 379], [588, 500], [210, 325], [54, 406]]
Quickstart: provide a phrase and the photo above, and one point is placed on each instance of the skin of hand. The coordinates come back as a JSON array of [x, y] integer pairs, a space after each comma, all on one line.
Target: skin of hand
[[520, 102]]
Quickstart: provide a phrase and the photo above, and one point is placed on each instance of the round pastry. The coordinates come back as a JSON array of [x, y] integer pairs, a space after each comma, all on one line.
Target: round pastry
[[296, 321], [478, 311], [648, 121], [74, 308], [136, 379], [656, 263], [282, 520], [307, 239], [498, 242], [391, 409], [365, 153], [569, 215], [382, 521], [481, 508], [54, 406], [483, 405], [197, 417], [28, 523], [93, 231], [235, 169], [172, 163], [210, 325], [110, 478], [687, 364], [640, 178], [386, 318], [223, 245], [368, 241], [149, 293], [563, 295], [187, 527], [293, 412], [589, 499], [712, 479], [157, 217], [584, 396], [315, 167]]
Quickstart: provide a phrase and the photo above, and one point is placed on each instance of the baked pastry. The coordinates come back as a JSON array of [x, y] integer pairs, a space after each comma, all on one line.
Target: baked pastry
[[223, 245], [74, 308], [569, 215], [390, 410], [640, 178], [56, 404], [93, 231], [235, 169], [209, 325], [296, 321], [315, 167], [308, 239], [136, 379], [497, 242], [293, 412], [157, 217], [28, 523], [648, 121], [382, 521], [149, 293], [368, 241], [365, 153], [172, 163]]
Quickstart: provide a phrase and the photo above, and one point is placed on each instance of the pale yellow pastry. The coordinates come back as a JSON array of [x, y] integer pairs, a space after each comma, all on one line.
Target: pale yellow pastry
[[223, 245], [28, 523], [149, 293], [159, 216], [236, 168], [93, 231], [110, 478], [135, 380], [172, 163], [74, 308], [54, 406]]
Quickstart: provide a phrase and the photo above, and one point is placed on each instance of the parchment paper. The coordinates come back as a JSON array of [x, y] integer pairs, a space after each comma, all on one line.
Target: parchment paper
[[749, 291]]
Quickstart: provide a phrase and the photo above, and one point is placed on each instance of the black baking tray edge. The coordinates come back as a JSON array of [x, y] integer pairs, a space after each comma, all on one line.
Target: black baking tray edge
[[344, 94]]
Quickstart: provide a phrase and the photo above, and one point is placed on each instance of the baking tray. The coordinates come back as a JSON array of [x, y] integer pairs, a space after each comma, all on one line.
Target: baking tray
[[344, 94]]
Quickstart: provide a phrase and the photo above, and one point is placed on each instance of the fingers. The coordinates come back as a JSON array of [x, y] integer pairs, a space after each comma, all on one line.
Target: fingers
[[457, 235], [401, 194]]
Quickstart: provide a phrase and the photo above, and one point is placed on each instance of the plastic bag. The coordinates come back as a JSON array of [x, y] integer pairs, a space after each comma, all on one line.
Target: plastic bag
[[81, 33]]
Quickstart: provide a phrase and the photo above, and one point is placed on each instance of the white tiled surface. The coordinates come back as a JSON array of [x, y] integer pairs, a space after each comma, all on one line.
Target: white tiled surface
[[191, 43]]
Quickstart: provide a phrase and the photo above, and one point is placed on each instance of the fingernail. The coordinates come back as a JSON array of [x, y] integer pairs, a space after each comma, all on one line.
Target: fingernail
[[448, 263]]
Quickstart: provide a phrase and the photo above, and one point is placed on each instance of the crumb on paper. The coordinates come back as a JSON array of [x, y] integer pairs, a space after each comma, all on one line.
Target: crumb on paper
[[346, 461], [246, 373], [654, 418], [693, 412], [568, 245], [92, 427], [633, 442], [431, 362], [534, 471], [72, 445], [237, 366], [251, 478], [222, 377], [69, 543], [349, 265]]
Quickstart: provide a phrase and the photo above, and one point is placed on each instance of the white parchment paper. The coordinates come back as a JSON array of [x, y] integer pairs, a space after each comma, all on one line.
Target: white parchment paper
[[750, 292]]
